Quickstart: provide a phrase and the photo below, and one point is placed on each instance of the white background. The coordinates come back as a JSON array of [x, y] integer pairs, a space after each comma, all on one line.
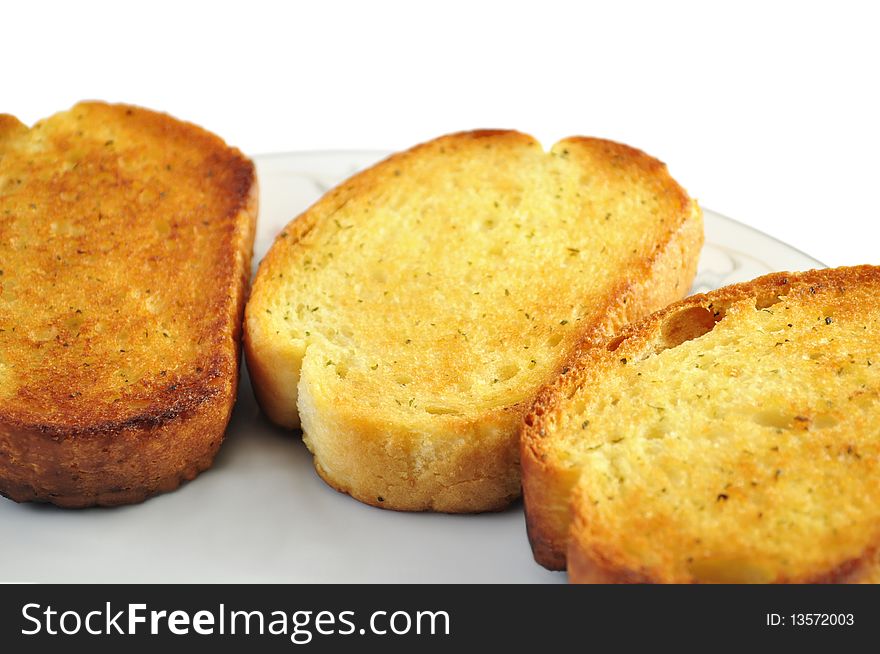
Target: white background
[[766, 111]]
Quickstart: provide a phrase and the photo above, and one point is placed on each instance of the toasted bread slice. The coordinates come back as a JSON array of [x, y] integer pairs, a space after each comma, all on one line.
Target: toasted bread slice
[[730, 437], [125, 241], [407, 319]]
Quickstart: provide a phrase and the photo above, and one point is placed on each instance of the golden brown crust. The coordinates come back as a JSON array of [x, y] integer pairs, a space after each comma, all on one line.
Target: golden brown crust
[[549, 516], [667, 276], [474, 460], [477, 471], [104, 181]]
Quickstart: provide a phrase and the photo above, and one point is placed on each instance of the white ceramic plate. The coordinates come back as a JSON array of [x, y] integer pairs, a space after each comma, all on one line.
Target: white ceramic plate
[[261, 514]]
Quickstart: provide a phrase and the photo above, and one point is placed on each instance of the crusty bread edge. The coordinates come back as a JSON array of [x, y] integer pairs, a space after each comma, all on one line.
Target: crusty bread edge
[[473, 468], [667, 278], [496, 482], [105, 464], [554, 485]]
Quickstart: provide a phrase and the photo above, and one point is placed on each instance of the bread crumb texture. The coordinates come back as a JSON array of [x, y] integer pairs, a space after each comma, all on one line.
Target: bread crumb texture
[[420, 305], [112, 225], [732, 439], [125, 241]]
